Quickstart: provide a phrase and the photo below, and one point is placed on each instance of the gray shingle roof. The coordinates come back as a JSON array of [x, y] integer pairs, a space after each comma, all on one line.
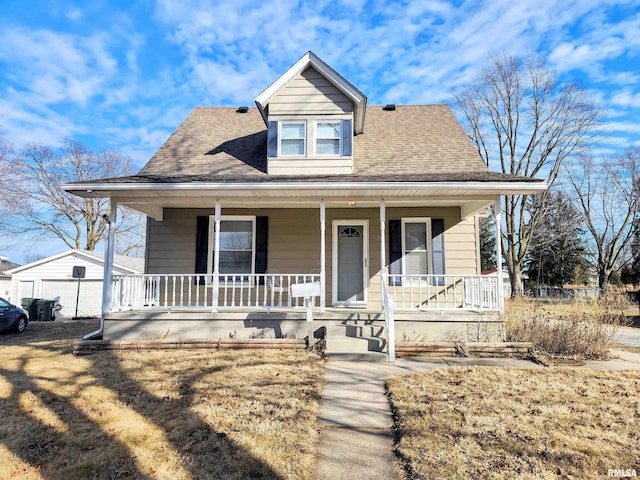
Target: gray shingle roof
[[415, 143], [7, 265], [134, 263]]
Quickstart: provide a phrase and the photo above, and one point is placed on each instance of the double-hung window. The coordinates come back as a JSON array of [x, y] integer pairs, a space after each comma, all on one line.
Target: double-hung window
[[416, 247], [237, 245], [299, 139], [293, 136], [415, 235], [328, 138]]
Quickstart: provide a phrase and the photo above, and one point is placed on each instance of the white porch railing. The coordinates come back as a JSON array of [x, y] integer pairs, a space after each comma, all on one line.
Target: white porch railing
[[266, 291], [445, 292], [192, 291], [388, 311]]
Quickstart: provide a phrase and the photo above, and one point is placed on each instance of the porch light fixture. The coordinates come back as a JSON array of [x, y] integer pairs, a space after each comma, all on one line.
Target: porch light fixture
[[351, 204], [389, 107], [242, 109]]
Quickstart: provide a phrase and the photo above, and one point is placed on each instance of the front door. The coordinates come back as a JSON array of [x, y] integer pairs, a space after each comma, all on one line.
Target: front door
[[350, 263]]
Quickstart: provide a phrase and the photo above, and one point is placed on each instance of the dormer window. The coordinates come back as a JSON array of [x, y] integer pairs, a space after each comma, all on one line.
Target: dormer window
[[328, 136], [293, 139], [313, 138]]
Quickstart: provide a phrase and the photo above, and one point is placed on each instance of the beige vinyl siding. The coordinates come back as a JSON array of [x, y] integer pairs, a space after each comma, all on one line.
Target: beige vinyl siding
[[310, 93], [312, 98], [171, 244], [311, 166], [294, 240], [461, 254]]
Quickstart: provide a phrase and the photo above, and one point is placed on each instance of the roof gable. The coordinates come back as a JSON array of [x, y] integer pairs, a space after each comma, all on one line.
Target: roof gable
[[94, 256], [308, 60]]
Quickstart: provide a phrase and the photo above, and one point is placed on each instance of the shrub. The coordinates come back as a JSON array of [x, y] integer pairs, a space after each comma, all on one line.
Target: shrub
[[583, 329]]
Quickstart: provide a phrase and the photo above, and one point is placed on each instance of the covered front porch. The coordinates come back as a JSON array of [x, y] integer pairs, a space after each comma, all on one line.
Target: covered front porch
[[389, 250], [250, 254]]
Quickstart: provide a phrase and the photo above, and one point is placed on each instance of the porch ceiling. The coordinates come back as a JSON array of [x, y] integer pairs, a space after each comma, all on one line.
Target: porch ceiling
[[151, 199]]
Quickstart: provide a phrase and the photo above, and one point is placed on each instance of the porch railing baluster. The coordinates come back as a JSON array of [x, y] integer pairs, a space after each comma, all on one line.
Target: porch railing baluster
[[266, 291]]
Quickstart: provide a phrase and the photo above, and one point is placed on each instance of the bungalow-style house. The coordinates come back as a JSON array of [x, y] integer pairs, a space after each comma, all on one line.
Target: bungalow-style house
[[373, 208]]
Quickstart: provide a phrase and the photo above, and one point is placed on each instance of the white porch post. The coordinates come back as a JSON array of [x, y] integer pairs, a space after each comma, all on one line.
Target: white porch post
[[389, 310], [216, 258], [497, 213], [383, 259], [323, 287], [107, 278]]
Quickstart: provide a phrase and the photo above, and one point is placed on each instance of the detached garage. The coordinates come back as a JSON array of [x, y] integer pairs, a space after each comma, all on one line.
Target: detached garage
[[54, 277]]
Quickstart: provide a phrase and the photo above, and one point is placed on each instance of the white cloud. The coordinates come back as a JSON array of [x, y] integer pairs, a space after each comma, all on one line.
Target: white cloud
[[221, 53], [627, 127], [416, 51], [57, 67], [626, 98], [74, 14], [22, 124]]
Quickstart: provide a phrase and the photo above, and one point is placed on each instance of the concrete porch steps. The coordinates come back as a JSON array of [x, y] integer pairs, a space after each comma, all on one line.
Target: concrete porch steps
[[355, 340], [356, 357]]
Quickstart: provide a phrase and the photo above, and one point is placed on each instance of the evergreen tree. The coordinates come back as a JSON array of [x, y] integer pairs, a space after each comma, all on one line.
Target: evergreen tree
[[559, 252], [487, 243], [630, 271]]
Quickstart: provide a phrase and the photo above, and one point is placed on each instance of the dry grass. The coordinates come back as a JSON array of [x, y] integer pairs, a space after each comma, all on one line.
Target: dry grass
[[524, 424], [154, 414], [582, 329]]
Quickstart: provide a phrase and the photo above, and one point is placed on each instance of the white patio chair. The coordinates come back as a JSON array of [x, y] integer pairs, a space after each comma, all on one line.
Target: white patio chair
[[276, 287]]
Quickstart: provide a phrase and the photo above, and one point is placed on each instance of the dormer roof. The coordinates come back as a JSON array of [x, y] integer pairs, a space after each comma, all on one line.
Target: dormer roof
[[310, 59]]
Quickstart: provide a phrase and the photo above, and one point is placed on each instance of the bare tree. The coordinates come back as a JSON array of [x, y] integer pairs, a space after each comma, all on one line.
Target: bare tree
[[606, 194], [5, 200], [522, 119], [31, 257], [39, 207]]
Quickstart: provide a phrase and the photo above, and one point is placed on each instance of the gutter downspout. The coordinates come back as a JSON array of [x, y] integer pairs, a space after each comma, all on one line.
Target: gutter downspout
[[107, 277]]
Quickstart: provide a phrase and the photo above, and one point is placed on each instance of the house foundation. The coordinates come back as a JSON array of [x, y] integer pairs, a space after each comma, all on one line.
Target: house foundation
[[409, 327]]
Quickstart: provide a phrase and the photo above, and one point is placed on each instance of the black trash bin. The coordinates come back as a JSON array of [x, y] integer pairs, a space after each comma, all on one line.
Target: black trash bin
[[31, 306], [45, 310]]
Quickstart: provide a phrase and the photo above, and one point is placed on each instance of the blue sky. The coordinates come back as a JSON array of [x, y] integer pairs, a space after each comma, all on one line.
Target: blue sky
[[124, 74]]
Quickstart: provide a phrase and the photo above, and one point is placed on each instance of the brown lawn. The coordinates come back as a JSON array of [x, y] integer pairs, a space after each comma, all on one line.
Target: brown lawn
[[524, 424], [172, 414]]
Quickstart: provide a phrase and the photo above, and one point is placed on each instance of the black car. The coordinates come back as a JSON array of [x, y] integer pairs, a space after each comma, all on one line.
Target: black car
[[12, 317]]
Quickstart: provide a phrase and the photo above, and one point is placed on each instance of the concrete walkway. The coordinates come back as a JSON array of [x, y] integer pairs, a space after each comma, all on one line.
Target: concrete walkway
[[356, 441], [628, 336]]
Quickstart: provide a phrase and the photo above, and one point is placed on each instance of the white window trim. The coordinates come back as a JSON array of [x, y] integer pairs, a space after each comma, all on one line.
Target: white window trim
[[316, 138], [305, 137], [236, 218], [427, 221], [310, 149]]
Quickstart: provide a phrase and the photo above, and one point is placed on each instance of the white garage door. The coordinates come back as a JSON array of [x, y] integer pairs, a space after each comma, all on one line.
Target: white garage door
[[89, 304]]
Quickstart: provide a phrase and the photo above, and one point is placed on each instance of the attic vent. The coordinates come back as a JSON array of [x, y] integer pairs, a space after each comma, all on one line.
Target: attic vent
[[390, 107], [242, 109]]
